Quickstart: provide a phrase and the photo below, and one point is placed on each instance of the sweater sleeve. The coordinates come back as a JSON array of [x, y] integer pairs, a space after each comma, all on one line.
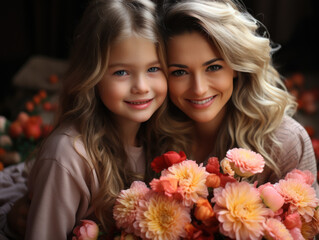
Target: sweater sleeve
[[54, 203], [61, 185], [297, 150]]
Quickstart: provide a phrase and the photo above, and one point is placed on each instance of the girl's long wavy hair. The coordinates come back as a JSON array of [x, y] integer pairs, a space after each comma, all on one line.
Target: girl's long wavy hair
[[103, 23], [260, 99]]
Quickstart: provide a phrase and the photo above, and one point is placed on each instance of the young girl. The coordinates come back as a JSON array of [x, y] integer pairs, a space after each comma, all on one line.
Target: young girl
[[222, 82], [114, 85]]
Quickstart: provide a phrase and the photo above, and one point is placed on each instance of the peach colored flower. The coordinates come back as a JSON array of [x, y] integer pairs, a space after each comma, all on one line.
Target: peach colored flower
[[191, 180], [311, 229], [226, 167], [245, 162], [168, 185], [160, 217], [124, 211], [276, 230], [305, 176], [300, 196], [296, 234], [203, 210], [271, 197], [213, 180], [87, 230], [240, 211]]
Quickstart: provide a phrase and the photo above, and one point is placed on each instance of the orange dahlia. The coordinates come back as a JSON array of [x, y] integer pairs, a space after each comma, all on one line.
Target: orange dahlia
[[300, 196], [191, 180], [240, 211], [160, 217]]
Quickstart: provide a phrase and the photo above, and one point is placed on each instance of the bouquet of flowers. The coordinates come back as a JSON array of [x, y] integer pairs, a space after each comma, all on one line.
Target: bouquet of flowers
[[193, 201]]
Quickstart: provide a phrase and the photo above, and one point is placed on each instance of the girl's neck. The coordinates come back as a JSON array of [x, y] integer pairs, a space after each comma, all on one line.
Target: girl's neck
[[128, 132]]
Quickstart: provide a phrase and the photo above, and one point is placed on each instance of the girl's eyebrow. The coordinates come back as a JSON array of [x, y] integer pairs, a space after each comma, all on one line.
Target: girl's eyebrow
[[120, 64], [204, 64]]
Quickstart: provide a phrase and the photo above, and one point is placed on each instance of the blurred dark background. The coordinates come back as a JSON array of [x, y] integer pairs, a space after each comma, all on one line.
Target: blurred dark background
[[37, 27]]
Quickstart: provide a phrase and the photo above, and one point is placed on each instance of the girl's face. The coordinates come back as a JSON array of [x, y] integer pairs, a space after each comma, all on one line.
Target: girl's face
[[134, 86], [200, 82]]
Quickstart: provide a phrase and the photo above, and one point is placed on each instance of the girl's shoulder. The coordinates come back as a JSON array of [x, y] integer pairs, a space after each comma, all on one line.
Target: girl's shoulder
[[63, 141], [65, 147]]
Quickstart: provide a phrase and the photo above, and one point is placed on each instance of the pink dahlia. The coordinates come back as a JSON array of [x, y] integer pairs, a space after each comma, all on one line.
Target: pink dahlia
[[305, 176], [160, 217], [276, 230], [191, 180], [245, 162], [124, 211], [240, 211], [300, 196]]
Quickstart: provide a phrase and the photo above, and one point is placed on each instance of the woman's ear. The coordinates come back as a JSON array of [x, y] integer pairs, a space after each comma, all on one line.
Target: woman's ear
[[235, 75]]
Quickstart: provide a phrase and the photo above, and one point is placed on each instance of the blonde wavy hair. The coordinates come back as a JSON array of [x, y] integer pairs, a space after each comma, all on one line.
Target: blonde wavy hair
[[103, 23], [260, 99]]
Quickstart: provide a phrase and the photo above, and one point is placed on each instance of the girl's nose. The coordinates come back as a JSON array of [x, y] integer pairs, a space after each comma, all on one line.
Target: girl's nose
[[140, 84]]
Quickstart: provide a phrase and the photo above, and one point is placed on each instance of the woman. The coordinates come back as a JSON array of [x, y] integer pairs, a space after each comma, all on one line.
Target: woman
[[222, 81]]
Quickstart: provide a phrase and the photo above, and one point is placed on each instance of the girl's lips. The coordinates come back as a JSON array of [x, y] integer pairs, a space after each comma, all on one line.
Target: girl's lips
[[201, 103], [139, 104]]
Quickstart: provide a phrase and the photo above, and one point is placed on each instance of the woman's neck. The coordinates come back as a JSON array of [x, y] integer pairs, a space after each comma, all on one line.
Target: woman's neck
[[205, 136]]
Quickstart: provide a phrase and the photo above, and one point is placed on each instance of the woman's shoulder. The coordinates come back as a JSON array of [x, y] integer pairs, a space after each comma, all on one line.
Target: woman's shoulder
[[290, 131], [296, 147]]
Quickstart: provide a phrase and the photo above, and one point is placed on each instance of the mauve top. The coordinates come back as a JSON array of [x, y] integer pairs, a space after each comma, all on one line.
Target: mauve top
[[296, 152], [62, 185]]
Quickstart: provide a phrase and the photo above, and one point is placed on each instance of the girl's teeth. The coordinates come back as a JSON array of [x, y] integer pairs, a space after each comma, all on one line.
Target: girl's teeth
[[137, 103], [202, 101]]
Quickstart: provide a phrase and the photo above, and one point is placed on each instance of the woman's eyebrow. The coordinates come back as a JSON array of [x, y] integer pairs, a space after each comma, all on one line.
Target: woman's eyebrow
[[177, 65], [212, 61], [204, 64]]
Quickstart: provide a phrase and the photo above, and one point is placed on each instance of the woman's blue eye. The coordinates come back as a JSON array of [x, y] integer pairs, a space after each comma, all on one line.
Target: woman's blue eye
[[213, 68], [153, 69], [177, 73], [120, 73]]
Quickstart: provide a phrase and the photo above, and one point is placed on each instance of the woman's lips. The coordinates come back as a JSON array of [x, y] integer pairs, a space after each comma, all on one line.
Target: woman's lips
[[201, 103]]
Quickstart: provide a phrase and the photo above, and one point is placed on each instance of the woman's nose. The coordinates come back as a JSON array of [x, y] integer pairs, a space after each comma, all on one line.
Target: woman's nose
[[200, 84]]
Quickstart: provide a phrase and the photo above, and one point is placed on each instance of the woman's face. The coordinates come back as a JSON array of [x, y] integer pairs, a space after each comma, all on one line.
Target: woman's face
[[200, 82]]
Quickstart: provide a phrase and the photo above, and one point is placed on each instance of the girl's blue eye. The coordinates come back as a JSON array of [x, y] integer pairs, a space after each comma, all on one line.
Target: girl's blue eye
[[153, 69], [213, 68], [178, 73], [120, 73]]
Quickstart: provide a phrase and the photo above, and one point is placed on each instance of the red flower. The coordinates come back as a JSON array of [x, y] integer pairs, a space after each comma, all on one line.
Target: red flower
[[213, 165], [166, 160]]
